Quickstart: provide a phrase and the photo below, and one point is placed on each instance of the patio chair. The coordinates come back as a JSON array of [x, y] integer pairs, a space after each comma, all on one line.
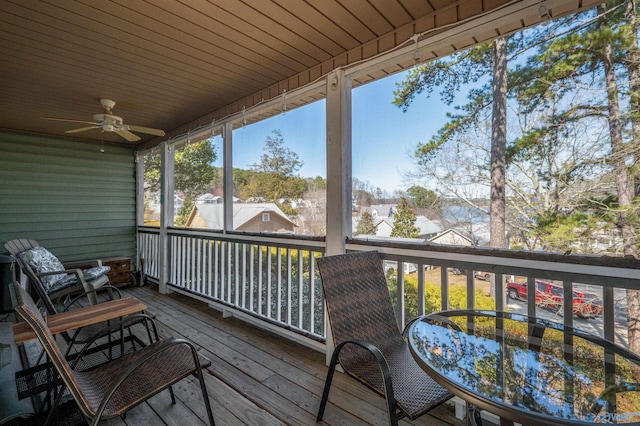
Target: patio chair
[[58, 281], [368, 342], [115, 387], [90, 333]]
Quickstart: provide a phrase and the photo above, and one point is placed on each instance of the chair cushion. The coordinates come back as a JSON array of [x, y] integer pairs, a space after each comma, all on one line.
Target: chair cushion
[[42, 260], [89, 275], [95, 272]]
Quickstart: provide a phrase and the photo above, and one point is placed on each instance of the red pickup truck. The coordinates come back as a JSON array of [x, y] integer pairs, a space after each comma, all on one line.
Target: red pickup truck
[[551, 296]]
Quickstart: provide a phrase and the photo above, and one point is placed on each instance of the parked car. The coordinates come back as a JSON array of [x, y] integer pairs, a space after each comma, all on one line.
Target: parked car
[[551, 296], [482, 275]]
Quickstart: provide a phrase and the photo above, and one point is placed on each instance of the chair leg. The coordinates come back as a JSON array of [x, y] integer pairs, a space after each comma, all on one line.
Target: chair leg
[[173, 397], [327, 385], [391, 408], [205, 396]]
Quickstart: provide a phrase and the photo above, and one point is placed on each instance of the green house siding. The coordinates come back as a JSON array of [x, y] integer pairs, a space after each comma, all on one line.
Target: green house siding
[[66, 194]]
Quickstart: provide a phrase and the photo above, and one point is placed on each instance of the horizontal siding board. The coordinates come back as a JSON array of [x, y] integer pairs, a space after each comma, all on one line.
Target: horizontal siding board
[[67, 195]]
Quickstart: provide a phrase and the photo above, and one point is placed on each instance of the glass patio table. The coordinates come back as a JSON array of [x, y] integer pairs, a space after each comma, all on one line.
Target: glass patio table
[[528, 370]]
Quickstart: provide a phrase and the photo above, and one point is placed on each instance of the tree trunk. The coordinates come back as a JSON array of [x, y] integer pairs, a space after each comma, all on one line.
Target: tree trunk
[[633, 68], [498, 144], [618, 157], [497, 237]]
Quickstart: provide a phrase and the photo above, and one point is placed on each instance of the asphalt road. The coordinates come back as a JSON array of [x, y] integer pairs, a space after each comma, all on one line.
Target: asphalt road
[[593, 326]]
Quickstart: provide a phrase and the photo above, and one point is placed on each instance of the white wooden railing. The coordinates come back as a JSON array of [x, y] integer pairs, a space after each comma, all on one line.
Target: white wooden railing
[[269, 278], [273, 280]]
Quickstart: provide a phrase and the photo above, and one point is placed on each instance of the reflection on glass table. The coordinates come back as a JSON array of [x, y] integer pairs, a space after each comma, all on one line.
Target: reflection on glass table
[[528, 370]]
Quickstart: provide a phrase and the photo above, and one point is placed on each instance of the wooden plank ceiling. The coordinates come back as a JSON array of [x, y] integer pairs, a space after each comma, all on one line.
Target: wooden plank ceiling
[[175, 65]]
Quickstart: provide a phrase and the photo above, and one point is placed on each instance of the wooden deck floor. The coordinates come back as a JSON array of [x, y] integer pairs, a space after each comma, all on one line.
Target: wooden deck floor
[[256, 378]]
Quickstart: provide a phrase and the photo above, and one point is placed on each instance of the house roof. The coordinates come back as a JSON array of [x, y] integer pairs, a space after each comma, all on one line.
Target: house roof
[[385, 225], [178, 66], [242, 213], [443, 235]]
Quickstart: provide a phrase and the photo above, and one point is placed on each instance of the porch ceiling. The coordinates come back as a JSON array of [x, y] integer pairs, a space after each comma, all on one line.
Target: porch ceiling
[[176, 65]]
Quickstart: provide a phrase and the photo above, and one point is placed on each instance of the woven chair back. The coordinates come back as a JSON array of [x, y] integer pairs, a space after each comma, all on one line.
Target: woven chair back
[[358, 302], [29, 312]]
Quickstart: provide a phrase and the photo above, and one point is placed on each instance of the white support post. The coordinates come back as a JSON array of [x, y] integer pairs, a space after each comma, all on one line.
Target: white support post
[[338, 161], [227, 170], [139, 204], [339, 201], [166, 213]]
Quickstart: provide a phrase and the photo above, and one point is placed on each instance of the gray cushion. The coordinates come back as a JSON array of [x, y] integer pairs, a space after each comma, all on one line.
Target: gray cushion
[[89, 275], [42, 260]]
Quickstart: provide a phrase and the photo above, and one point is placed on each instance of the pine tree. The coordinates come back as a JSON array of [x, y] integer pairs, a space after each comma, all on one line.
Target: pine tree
[[404, 221], [451, 74], [366, 225], [275, 179]]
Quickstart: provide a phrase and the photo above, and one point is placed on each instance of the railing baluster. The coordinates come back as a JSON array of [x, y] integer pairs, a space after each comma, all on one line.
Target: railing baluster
[[260, 297], [300, 290], [269, 271], [289, 285], [252, 279]]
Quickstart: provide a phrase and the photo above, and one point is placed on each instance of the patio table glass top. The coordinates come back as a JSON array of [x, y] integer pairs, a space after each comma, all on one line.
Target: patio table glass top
[[527, 369]]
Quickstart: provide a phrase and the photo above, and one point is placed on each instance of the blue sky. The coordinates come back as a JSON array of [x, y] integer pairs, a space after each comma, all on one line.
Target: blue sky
[[383, 136]]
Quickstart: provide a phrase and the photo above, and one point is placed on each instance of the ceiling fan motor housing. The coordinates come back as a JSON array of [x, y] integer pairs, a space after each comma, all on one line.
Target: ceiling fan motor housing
[[114, 120]]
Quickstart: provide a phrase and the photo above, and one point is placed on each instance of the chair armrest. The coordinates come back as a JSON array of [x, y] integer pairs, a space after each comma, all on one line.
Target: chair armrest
[[82, 264], [379, 357], [64, 271]]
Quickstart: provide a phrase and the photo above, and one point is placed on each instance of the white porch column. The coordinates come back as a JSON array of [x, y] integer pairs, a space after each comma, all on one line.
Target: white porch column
[[227, 177], [338, 161], [338, 172], [166, 212], [139, 204]]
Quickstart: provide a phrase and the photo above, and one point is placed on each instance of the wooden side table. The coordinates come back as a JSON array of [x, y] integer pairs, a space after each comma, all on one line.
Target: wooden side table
[[120, 273]]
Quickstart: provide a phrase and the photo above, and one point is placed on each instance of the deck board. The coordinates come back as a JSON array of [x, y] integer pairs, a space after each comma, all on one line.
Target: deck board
[[257, 377]]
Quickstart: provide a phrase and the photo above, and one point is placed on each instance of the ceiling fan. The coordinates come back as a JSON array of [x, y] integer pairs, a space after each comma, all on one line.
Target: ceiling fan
[[111, 123]]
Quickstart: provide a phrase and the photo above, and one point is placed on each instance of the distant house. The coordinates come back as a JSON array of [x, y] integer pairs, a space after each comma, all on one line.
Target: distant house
[[250, 217], [152, 205], [427, 228], [213, 199], [453, 237], [382, 211], [384, 226]]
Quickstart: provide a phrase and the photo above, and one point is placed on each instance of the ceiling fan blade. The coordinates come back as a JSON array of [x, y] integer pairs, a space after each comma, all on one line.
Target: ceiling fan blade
[[146, 130], [82, 129], [71, 121], [127, 135]]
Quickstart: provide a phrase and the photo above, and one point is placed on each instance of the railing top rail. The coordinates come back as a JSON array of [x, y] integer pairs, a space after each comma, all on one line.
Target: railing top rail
[[601, 270], [278, 240]]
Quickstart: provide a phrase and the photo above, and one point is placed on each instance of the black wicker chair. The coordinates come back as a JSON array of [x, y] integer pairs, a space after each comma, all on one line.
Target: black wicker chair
[[368, 343], [113, 388]]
